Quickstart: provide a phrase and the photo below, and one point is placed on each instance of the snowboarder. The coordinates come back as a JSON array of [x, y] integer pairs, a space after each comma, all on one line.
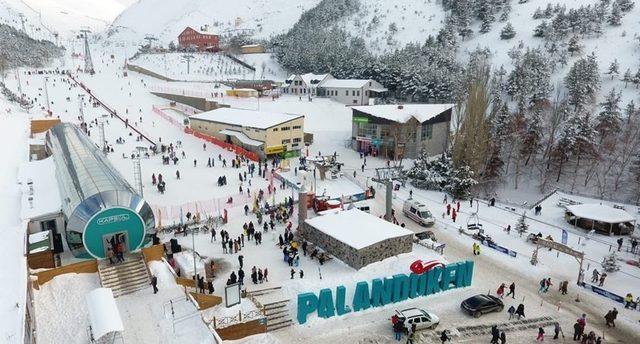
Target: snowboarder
[[154, 283]]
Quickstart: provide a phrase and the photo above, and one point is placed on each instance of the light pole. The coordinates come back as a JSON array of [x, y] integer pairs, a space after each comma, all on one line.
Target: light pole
[[46, 95]]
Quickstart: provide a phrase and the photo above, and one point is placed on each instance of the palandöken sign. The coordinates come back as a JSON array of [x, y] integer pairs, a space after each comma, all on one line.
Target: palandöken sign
[[383, 291]]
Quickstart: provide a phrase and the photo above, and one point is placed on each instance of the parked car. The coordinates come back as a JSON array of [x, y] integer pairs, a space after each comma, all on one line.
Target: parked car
[[482, 304], [418, 212], [421, 318]]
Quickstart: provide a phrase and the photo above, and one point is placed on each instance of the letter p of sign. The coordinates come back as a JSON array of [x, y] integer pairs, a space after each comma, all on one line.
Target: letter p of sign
[[307, 304]]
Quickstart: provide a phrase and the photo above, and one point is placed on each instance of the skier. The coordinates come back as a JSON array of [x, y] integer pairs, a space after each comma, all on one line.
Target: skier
[[540, 337], [556, 330]]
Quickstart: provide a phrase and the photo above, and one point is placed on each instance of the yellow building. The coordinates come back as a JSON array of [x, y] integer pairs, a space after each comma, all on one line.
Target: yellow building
[[242, 92], [265, 133], [252, 49]]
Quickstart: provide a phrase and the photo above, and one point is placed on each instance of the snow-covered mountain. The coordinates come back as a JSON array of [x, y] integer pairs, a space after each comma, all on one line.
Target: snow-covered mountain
[[46, 19], [166, 19]]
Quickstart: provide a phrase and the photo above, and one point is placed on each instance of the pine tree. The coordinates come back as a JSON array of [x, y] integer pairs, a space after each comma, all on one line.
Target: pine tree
[[613, 69], [609, 119], [610, 263], [615, 18], [508, 32], [630, 109], [506, 10], [522, 227], [627, 78], [636, 78], [574, 45], [583, 81], [625, 5], [541, 29]]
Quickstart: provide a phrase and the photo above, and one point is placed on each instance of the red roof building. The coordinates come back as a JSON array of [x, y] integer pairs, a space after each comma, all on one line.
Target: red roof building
[[202, 40]]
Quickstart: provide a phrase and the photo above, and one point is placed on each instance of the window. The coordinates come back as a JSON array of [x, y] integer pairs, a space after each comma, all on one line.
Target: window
[[355, 101], [285, 141], [297, 139], [366, 93], [295, 145], [285, 128], [275, 129], [346, 92], [369, 83], [358, 94], [427, 131], [297, 127], [367, 129]]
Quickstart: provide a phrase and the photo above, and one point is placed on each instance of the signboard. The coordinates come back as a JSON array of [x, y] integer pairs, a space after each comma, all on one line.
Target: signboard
[[565, 237], [384, 291], [232, 295], [559, 247], [275, 149], [360, 119], [605, 293], [499, 248]]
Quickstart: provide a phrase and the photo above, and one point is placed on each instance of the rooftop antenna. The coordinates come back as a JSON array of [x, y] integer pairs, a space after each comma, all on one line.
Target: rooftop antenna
[[88, 63]]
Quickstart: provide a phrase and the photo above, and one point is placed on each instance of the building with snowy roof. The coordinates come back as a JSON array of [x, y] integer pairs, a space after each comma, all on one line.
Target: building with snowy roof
[[265, 133], [351, 91], [396, 131], [602, 218], [304, 84], [357, 238], [200, 39]]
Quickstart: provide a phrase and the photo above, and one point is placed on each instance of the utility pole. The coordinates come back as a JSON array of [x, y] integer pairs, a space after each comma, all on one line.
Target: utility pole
[[22, 20], [187, 57]]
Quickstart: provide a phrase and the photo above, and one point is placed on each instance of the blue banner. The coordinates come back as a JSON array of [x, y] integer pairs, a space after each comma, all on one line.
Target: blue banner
[[499, 248], [605, 293]]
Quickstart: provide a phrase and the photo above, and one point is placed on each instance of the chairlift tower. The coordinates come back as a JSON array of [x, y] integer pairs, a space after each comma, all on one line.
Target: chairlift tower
[[187, 58], [386, 176], [88, 63]]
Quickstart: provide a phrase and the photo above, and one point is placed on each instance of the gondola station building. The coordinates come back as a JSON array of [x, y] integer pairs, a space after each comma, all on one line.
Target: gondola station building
[[88, 206]]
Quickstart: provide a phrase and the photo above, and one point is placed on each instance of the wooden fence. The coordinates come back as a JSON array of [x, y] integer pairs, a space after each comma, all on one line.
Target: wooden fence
[[89, 266], [241, 330]]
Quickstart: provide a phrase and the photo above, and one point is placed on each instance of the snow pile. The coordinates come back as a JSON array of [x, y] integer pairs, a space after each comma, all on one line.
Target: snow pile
[[14, 276], [261, 338], [61, 309]]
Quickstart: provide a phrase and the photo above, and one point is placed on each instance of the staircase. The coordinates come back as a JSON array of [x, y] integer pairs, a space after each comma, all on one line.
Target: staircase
[[277, 314], [124, 278]]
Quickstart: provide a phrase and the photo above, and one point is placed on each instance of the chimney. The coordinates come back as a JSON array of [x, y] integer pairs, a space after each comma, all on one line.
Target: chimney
[[400, 107]]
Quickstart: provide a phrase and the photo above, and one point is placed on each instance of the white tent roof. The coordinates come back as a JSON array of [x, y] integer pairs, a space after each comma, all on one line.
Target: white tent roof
[[421, 112], [357, 228], [599, 212], [104, 316]]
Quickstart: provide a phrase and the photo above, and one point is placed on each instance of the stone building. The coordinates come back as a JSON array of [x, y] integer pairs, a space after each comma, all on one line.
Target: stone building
[[357, 238]]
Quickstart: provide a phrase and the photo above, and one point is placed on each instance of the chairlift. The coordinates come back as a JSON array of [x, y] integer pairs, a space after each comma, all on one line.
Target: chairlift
[[473, 223]]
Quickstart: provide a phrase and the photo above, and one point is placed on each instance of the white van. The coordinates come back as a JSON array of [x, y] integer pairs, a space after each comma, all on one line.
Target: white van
[[418, 212]]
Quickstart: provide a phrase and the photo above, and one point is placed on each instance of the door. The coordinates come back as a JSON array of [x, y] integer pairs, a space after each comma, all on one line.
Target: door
[[114, 241]]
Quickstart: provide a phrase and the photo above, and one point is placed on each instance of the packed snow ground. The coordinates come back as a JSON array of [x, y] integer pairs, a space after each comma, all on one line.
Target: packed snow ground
[[330, 122]]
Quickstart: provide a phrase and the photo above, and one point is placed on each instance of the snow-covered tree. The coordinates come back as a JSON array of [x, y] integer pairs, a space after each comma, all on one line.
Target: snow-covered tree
[[522, 226], [541, 29], [574, 45], [630, 110], [610, 118], [441, 175], [636, 78], [508, 32], [583, 81], [627, 77], [613, 69], [610, 263], [615, 17], [172, 46], [530, 80], [625, 5]]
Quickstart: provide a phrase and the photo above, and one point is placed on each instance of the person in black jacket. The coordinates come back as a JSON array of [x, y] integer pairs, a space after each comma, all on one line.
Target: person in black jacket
[[154, 284], [444, 337]]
